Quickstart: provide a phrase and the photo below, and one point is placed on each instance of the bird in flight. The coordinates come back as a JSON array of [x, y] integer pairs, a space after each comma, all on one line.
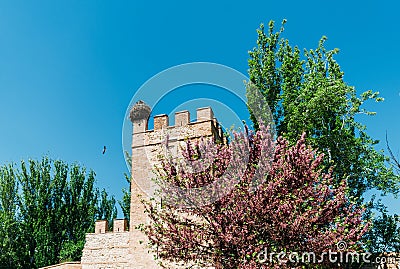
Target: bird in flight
[[104, 149]]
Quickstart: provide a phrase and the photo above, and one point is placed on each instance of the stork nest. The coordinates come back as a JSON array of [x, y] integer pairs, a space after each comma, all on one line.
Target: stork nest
[[140, 111]]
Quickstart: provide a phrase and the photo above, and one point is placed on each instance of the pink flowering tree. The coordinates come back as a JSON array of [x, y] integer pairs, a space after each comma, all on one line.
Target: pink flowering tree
[[234, 206]]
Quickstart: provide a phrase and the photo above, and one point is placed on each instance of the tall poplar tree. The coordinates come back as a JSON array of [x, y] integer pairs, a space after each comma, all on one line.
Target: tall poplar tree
[[306, 92], [46, 209]]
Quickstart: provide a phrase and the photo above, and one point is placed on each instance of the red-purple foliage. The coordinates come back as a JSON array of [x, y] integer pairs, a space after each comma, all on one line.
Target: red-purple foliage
[[279, 200]]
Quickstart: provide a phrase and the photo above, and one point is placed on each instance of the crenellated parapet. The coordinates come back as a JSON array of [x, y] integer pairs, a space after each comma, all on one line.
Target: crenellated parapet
[[180, 128], [119, 225], [107, 249], [182, 118]]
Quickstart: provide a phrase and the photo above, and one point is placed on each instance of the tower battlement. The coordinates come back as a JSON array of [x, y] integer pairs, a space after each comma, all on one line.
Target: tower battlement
[[205, 125], [119, 225], [182, 118]]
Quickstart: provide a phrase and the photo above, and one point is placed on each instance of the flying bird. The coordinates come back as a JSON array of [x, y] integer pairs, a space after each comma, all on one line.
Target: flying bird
[[104, 149]]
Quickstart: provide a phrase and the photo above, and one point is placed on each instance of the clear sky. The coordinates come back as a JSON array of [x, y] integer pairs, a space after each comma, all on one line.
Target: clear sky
[[68, 69]]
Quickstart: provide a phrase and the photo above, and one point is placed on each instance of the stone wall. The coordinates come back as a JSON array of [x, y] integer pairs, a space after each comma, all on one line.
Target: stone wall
[[107, 250]]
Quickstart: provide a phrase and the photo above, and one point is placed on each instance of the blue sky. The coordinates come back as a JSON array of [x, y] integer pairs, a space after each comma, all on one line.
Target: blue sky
[[68, 69]]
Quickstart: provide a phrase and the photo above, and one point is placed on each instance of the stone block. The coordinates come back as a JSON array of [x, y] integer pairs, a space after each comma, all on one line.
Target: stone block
[[120, 225], [160, 122], [101, 226], [182, 118], [205, 113]]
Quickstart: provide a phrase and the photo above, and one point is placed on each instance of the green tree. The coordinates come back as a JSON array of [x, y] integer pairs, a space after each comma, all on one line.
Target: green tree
[[307, 93], [47, 207], [385, 237], [12, 251], [125, 202], [106, 208]]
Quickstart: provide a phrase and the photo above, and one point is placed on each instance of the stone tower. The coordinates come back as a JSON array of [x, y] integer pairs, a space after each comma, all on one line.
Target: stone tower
[[146, 145], [141, 167], [128, 249]]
